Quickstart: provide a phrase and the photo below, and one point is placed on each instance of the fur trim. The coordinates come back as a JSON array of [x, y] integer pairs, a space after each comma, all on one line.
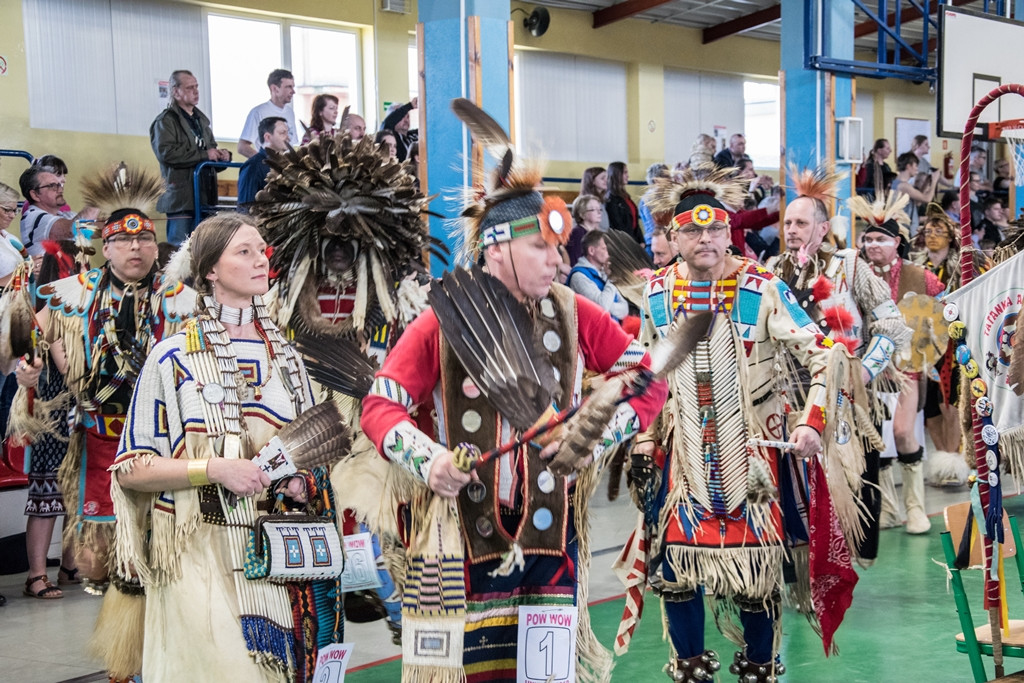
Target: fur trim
[[117, 639], [822, 288], [943, 468]]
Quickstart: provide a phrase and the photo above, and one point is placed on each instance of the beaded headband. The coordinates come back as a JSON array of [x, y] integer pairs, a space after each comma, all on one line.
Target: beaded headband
[[702, 215], [131, 224], [553, 222]]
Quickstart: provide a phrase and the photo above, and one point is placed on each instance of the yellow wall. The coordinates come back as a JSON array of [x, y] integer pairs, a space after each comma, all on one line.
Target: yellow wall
[[385, 62], [648, 49]]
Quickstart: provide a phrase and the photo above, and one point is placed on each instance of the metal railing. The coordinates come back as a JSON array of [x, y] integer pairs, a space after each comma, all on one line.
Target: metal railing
[[196, 174]]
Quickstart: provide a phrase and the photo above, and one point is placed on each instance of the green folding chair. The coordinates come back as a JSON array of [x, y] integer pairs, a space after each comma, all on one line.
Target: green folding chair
[[977, 641]]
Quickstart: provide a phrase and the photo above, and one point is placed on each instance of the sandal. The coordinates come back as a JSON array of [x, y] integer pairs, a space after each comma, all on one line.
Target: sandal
[[47, 592], [68, 577]]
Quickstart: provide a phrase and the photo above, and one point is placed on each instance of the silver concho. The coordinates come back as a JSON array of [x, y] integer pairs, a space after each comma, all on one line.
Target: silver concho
[[546, 482], [213, 393], [552, 342], [990, 435], [470, 389], [476, 491], [556, 222], [950, 312], [484, 527], [843, 432], [471, 421], [991, 459], [547, 308], [543, 519], [993, 479]]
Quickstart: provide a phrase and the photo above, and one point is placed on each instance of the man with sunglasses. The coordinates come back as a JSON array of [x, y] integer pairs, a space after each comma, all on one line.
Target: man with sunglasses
[[44, 219], [102, 325], [717, 522]]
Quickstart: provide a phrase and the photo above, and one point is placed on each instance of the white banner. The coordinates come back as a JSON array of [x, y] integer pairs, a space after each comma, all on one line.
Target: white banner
[[989, 306], [360, 566], [331, 663]]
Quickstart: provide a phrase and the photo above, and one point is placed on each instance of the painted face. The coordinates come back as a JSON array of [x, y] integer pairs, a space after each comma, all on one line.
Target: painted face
[[703, 250], [801, 227], [529, 266], [242, 270], [131, 257], [880, 248], [936, 238]]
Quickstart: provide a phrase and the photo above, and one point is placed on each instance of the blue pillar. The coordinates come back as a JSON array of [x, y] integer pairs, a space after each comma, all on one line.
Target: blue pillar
[[447, 75], [807, 122]]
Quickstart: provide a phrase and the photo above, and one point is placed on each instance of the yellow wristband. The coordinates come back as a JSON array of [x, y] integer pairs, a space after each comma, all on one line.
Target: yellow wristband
[[197, 475]]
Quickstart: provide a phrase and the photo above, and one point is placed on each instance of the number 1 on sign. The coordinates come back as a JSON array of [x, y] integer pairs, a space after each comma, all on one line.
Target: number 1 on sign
[[547, 646]]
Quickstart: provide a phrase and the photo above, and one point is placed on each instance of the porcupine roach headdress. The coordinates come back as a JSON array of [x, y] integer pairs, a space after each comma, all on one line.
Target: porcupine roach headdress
[[509, 205], [335, 189], [698, 195]]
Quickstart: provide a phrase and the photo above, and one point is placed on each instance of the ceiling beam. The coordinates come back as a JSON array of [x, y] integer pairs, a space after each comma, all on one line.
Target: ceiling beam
[[740, 24], [624, 10], [866, 28]]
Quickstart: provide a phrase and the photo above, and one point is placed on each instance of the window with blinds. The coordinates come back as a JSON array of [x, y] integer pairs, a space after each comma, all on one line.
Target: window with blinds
[[570, 108]]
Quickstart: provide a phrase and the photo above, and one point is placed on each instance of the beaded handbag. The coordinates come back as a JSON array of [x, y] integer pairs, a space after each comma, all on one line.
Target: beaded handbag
[[293, 547]]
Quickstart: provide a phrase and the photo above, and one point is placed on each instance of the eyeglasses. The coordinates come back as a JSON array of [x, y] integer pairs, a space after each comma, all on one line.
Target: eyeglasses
[[934, 233], [51, 186], [694, 233], [145, 239], [9, 209]]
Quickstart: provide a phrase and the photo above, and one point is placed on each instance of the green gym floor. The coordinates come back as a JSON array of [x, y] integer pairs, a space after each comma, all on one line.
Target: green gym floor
[[900, 627]]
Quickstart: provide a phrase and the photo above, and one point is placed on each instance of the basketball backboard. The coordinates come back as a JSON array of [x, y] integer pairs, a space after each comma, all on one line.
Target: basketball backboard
[[977, 52]]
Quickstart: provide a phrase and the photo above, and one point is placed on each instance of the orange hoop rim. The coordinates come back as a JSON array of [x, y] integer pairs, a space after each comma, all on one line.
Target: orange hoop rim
[[995, 130]]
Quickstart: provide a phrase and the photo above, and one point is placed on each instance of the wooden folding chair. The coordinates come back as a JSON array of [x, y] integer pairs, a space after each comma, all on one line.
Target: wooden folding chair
[[977, 641]]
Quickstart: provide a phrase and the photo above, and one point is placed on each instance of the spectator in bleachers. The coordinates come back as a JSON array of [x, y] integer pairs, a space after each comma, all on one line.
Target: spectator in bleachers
[[322, 118], [181, 138], [586, 213], [974, 185], [253, 176], [45, 218], [663, 250], [702, 151], [397, 121], [736, 150], [589, 277], [875, 175], [55, 165], [356, 126], [993, 226], [921, 147], [978, 164], [595, 182], [1001, 181], [906, 167], [390, 140], [622, 211], [647, 220], [950, 203], [760, 186], [282, 89]]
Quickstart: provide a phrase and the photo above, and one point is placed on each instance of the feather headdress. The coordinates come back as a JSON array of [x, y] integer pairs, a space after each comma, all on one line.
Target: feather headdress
[[886, 215], [681, 192], [122, 187], [509, 205], [338, 190]]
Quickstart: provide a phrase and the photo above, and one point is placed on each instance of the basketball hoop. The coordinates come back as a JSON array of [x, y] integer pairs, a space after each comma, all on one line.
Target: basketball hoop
[[1011, 130]]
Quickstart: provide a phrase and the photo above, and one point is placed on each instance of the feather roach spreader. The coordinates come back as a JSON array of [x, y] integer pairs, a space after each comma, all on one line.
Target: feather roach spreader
[[336, 190]]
